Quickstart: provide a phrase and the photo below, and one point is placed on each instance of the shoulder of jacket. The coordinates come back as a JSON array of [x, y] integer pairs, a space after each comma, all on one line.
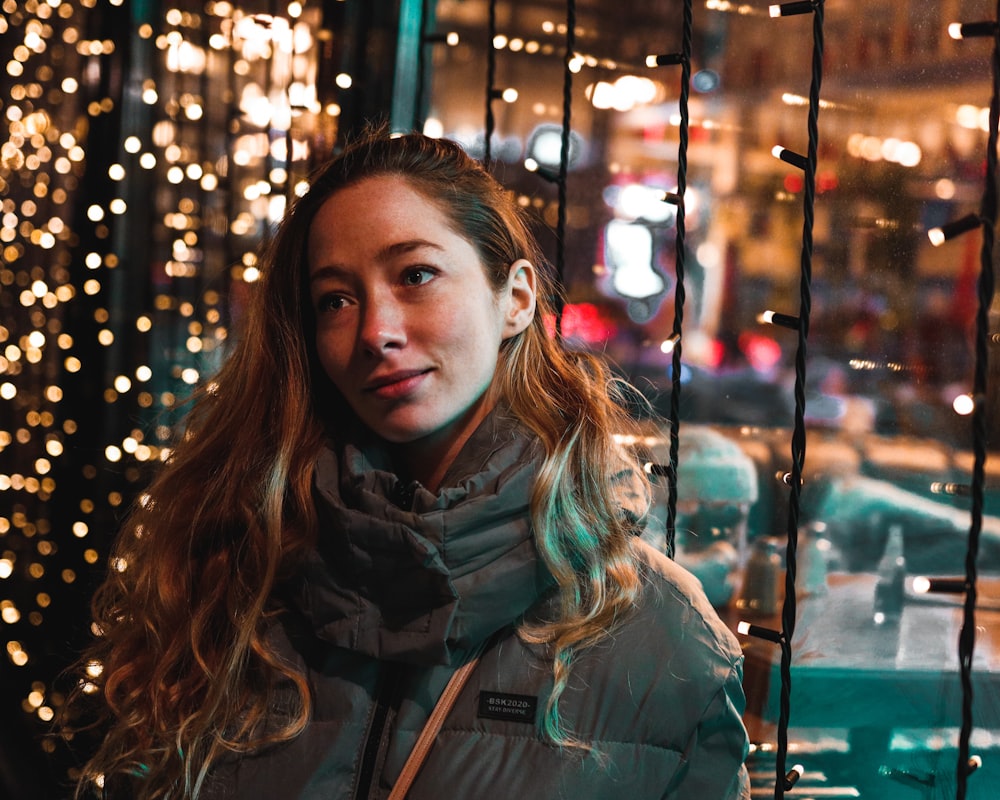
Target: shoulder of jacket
[[674, 598]]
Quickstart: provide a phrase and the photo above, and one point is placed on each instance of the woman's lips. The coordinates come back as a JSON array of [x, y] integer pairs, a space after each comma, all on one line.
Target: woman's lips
[[397, 385]]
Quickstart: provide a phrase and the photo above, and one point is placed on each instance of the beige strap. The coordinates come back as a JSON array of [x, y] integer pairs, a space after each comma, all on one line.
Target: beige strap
[[430, 731]]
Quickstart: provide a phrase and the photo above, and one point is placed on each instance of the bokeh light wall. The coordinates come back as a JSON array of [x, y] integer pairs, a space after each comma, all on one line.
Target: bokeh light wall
[[147, 149]]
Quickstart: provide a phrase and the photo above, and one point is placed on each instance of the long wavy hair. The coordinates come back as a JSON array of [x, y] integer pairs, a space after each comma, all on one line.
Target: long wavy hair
[[186, 668]]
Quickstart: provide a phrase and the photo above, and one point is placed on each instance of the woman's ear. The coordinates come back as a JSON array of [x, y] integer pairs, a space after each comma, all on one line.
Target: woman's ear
[[519, 294]]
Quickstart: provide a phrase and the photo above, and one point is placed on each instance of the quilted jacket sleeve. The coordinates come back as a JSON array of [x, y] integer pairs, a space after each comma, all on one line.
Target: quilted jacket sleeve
[[713, 766]]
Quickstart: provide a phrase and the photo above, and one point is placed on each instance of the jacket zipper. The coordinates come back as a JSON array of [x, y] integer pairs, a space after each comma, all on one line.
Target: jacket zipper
[[387, 688]]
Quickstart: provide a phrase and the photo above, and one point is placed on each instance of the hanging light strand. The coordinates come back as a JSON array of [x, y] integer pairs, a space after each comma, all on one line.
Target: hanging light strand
[[799, 433], [985, 291], [564, 159], [679, 291]]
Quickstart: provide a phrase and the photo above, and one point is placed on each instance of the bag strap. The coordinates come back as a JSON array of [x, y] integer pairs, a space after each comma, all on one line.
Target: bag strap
[[434, 722]]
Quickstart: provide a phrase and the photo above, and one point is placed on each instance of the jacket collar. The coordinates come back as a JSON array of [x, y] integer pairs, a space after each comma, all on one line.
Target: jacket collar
[[406, 574]]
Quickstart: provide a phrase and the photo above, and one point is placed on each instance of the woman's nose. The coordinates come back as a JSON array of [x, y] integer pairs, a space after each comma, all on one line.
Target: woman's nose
[[382, 327]]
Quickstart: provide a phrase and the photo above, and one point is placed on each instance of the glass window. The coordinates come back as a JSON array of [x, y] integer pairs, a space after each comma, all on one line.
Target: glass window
[[890, 350]]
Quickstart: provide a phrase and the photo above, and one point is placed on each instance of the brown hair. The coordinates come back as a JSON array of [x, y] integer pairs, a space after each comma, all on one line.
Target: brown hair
[[187, 670]]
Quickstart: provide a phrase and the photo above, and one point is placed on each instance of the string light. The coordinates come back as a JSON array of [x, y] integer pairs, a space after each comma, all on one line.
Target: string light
[[759, 631], [668, 345], [665, 60], [939, 236], [964, 404], [793, 775], [782, 320], [786, 478], [541, 170], [789, 156], [657, 470], [792, 9], [927, 585], [969, 30]]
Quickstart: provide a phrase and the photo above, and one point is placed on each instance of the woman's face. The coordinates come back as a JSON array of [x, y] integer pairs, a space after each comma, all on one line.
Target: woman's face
[[407, 326]]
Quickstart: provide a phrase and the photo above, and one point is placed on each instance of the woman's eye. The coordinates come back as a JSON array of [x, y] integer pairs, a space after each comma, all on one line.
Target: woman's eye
[[417, 276], [331, 302]]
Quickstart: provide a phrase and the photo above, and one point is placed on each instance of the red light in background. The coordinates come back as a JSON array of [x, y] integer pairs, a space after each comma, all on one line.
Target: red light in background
[[793, 183], [826, 181], [583, 321], [761, 351]]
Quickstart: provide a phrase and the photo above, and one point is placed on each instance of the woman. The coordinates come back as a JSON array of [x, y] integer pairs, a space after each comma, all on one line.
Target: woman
[[396, 472]]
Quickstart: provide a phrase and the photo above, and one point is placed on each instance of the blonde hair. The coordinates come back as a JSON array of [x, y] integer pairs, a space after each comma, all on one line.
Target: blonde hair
[[188, 671]]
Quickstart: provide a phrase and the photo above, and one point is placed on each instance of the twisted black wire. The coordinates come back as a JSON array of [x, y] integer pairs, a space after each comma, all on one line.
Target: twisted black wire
[[679, 292], [799, 433], [491, 75], [988, 215], [564, 158]]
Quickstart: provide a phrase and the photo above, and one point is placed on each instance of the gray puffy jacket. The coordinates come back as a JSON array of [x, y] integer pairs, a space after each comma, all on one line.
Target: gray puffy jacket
[[407, 584]]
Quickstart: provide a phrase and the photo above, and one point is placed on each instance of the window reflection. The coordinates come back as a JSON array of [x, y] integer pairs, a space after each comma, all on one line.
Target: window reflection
[[903, 124]]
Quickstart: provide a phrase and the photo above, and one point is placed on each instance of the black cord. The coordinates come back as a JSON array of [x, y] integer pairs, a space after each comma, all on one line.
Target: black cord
[[491, 73], [988, 217], [799, 433], [564, 160], [679, 292]]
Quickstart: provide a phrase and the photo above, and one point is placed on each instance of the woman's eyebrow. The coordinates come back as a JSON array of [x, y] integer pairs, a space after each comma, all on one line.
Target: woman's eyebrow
[[400, 248], [385, 254]]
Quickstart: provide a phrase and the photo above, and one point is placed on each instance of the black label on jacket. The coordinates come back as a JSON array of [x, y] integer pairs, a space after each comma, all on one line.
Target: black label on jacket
[[509, 707]]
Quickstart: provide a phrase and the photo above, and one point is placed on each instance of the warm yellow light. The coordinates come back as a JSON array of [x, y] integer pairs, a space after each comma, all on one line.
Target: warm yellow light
[[964, 404]]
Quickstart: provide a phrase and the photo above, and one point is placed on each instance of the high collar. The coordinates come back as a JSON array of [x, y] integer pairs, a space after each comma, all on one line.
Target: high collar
[[406, 574]]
